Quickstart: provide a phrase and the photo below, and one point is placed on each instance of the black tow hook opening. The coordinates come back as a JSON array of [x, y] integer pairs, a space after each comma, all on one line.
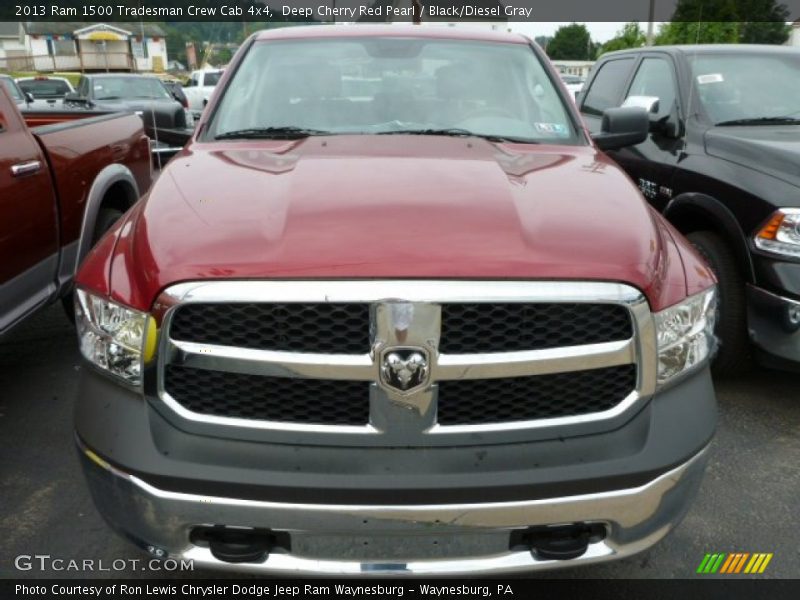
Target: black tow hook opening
[[559, 542], [235, 545]]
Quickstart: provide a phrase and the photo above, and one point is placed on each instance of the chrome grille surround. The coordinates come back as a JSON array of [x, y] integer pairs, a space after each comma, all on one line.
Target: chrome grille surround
[[397, 417]]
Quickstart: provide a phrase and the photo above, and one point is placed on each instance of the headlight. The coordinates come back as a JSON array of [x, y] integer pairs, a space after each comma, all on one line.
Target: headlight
[[685, 334], [781, 234], [113, 337]]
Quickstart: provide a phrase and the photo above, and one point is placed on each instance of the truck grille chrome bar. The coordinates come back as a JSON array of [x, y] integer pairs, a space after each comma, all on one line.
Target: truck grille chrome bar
[[403, 368]]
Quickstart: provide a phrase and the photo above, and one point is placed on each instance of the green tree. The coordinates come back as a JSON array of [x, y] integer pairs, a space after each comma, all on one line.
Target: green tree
[[726, 22], [765, 22], [571, 42], [698, 32], [222, 56], [630, 36], [543, 41]]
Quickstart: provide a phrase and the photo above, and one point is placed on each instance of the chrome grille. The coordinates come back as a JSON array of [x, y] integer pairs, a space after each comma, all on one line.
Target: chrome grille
[[344, 328], [310, 361]]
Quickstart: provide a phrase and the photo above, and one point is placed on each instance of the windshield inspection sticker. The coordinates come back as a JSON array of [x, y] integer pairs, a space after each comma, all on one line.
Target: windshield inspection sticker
[[557, 129], [710, 78]]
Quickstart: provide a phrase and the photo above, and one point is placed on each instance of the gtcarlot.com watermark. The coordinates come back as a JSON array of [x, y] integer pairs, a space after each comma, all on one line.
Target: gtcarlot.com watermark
[[46, 562]]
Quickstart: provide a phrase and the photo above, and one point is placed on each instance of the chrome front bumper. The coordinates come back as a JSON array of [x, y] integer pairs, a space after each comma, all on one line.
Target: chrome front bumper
[[469, 538]]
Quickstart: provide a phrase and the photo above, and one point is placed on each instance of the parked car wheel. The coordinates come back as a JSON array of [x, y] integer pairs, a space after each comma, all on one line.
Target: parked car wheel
[[733, 356], [106, 218]]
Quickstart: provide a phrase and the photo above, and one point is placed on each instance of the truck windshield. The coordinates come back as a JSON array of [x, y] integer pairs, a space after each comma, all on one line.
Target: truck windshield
[[45, 88], [211, 78], [748, 89], [393, 85], [113, 88]]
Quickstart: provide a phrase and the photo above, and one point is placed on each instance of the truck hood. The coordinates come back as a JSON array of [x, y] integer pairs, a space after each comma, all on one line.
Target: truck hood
[[393, 207], [774, 150]]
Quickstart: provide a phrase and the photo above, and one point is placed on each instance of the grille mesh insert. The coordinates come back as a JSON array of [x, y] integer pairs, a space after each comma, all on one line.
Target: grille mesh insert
[[481, 401], [475, 328], [301, 327], [308, 401]]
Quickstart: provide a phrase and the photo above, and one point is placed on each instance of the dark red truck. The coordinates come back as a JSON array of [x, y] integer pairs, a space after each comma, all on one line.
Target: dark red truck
[[65, 177], [404, 318]]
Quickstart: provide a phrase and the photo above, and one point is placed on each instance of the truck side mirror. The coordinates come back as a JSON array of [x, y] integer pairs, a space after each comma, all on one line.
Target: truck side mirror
[[667, 124], [624, 126], [74, 97], [29, 97]]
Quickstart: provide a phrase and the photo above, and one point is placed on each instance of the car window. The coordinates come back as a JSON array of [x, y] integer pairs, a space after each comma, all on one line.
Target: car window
[[607, 87], [12, 90], [114, 88], [212, 78], [45, 88], [736, 86], [378, 85], [654, 78]]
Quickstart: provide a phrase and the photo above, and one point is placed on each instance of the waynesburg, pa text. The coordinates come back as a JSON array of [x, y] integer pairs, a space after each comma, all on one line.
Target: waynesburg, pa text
[[257, 590]]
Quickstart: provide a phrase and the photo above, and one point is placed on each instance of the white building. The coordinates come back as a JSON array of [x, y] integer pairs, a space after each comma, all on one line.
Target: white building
[[580, 68], [794, 36], [54, 46], [12, 44]]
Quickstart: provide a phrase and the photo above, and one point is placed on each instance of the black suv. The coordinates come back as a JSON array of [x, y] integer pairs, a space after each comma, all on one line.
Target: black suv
[[722, 162], [144, 94]]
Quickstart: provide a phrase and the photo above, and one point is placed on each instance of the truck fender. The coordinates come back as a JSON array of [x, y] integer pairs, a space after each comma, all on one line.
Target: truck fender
[[694, 211], [106, 178]]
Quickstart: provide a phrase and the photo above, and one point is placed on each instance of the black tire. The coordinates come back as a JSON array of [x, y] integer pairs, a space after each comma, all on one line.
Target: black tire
[[106, 218], [733, 357]]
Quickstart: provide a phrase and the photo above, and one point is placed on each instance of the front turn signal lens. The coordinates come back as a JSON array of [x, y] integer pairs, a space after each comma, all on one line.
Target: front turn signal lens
[[781, 234]]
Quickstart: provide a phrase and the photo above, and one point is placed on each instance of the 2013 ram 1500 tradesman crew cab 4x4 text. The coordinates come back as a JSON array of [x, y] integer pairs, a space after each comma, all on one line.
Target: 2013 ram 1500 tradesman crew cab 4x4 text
[[406, 317]]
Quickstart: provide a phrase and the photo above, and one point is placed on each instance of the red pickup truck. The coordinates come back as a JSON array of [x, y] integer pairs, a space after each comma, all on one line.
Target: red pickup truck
[[404, 318], [63, 182]]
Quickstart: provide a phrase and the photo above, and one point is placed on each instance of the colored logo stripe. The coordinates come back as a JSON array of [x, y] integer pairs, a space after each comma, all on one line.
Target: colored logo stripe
[[710, 563], [734, 563]]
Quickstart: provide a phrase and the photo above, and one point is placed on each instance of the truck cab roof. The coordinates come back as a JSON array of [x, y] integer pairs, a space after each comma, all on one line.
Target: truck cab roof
[[691, 49], [393, 31]]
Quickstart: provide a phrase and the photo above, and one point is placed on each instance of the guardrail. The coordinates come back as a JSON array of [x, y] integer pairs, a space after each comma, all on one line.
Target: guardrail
[[85, 61]]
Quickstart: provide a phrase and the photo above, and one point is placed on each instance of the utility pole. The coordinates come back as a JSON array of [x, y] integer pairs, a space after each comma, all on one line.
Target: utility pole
[[416, 12], [650, 18]]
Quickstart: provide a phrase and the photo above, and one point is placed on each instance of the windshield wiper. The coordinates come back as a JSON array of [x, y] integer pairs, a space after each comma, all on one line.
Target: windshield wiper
[[275, 133], [762, 121], [457, 132]]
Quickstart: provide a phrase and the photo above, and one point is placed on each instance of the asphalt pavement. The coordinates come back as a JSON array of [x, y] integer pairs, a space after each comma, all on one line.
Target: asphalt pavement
[[749, 501]]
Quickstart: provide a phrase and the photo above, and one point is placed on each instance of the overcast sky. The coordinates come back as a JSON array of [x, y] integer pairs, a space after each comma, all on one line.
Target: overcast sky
[[600, 32]]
